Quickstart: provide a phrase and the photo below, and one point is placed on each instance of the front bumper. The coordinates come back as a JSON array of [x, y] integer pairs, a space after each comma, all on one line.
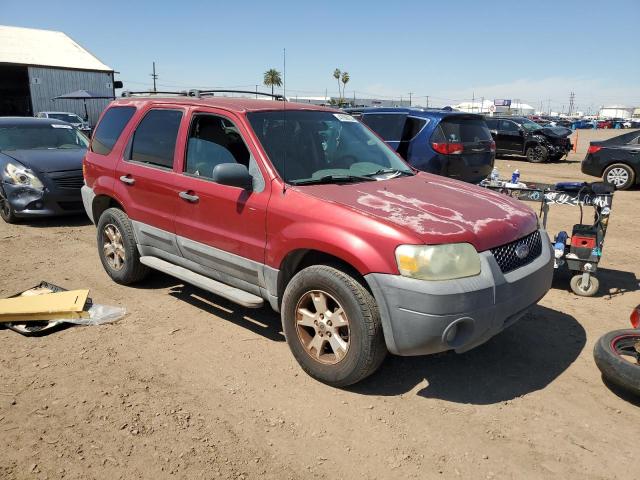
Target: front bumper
[[421, 317], [31, 202]]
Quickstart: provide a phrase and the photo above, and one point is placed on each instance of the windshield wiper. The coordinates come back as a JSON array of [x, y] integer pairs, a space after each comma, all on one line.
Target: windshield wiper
[[382, 171], [332, 179]]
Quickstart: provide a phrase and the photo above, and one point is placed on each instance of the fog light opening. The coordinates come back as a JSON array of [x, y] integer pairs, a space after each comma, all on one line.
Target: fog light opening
[[458, 332]]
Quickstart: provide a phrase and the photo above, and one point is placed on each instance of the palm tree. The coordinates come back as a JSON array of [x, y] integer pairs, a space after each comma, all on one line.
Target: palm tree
[[345, 80], [336, 75], [272, 78]]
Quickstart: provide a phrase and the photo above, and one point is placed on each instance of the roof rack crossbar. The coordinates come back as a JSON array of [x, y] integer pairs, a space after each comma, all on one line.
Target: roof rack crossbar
[[128, 93], [199, 93]]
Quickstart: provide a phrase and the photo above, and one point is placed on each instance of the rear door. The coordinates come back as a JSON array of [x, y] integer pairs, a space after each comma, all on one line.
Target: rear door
[[220, 226], [388, 125], [475, 159], [145, 177]]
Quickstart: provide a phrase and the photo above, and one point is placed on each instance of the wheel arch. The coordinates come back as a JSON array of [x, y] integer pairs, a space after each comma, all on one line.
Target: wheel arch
[[101, 203]]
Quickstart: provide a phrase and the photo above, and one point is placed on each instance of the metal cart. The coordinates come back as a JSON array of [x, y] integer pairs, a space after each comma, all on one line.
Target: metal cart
[[584, 251]]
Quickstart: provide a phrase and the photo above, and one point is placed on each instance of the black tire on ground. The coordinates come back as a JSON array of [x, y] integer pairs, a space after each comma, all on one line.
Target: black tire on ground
[[616, 173], [614, 368], [366, 349], [537, 154], [6, 211], [131, 270], [577, 288]]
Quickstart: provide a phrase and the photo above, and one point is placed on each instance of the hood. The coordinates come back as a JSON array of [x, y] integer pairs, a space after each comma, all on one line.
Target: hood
[[49, 160], [554, 132], [436, 209]]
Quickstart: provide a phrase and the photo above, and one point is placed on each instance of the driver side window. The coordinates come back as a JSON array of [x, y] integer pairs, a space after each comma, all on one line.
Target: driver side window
[[214, 140], [508, 126]]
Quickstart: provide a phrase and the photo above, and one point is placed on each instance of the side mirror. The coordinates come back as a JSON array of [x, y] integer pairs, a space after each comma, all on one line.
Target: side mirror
[[233, 175]]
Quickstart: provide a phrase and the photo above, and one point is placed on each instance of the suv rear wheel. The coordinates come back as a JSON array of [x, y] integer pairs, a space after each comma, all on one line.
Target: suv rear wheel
[[117, 248], [332, 326]]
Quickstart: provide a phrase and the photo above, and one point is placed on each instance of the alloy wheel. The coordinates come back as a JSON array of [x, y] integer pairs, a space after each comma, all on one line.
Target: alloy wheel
[[323, 327], [113, 247], [617, 176]]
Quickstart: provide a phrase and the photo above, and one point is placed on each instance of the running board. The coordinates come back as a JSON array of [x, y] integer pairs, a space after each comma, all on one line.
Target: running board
[[234, 294]]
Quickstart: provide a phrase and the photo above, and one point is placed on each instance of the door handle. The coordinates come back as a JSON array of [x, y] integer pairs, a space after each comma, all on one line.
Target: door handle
[[188, 197], [127, 179]]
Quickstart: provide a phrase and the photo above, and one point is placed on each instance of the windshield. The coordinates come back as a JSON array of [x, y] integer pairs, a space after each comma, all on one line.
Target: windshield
[[66, 117], [529, 125], [41, 136], [323, 145]]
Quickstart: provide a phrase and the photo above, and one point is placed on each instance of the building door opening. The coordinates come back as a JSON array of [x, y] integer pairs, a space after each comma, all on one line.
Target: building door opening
[[15, 96]]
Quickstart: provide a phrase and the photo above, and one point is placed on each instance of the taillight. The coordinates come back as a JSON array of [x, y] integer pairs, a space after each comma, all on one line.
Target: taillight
[[594, 148], [635, 317], [493, 146], [448, 148]]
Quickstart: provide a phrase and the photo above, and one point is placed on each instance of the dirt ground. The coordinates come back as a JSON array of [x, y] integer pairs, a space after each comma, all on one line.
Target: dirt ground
[[190, 386]]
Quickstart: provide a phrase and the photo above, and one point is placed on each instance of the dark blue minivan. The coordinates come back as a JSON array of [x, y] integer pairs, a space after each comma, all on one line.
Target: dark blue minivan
[[441, 141]]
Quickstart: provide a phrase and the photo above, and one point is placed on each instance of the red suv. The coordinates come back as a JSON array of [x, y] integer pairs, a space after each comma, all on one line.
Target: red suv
[[305, 208]]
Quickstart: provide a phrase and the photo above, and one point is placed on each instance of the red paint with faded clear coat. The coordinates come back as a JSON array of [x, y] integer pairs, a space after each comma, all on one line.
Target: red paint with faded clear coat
[[360, 223]]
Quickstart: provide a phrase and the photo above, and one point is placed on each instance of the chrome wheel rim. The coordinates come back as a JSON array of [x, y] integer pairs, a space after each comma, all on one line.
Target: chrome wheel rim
[[322, 327], [618, 176], [113, 247]]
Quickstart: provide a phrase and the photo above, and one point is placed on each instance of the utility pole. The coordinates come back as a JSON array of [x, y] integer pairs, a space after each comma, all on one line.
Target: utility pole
[[482, 104], [256, 91], [410, 94], [572, 97], [427, 101], [154, 75]]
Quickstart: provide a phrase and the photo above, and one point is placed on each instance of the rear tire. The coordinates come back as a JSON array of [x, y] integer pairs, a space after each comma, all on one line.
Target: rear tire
[[314, 297], [608, 354], [117, 248], [537, 154], [620, 176]]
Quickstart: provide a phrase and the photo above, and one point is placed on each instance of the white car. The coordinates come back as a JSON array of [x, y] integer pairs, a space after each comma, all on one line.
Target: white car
[[68, 117]]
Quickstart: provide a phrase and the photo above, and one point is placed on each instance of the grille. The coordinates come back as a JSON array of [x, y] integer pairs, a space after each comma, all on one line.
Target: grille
[[506, 256], [71, 181]]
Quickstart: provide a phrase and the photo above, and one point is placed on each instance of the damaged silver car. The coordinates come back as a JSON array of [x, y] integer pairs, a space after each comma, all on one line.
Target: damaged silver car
[[40, 168]]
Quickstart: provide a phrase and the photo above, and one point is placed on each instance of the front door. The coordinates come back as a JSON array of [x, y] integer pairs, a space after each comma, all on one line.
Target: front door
[[510, 137], [220, 226]]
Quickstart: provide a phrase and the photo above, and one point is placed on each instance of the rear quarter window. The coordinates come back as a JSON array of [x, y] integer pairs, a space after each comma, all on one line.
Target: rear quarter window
[[389, 126], [461, 130], [109, 129]]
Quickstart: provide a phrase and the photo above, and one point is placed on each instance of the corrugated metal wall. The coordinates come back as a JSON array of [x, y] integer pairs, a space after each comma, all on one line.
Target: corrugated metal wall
[[46, 83]]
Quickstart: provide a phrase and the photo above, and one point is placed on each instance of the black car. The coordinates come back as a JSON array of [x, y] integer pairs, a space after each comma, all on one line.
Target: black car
[[40, 168], [616, 160], [521, 136]]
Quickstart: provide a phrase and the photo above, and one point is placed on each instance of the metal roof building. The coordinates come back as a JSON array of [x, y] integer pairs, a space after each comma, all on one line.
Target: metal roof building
[[38, 65]]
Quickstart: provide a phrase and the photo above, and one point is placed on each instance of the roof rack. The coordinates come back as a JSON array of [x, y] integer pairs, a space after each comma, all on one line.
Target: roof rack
[[201, 93]]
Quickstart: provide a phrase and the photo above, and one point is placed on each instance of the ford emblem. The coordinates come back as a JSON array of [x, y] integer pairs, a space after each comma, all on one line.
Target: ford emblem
[[522, 250]]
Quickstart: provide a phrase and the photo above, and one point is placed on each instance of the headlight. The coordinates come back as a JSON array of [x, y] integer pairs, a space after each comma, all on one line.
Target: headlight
[[438, 262], [20, 175]]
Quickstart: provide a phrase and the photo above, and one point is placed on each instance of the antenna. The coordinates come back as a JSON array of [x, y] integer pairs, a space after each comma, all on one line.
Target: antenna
[[284, 116]]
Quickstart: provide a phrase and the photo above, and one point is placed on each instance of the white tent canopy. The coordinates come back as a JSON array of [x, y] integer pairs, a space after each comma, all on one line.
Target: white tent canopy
[[479, 106]]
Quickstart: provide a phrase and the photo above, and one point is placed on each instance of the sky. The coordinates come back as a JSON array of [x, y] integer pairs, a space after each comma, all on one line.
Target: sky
[[537, 52]]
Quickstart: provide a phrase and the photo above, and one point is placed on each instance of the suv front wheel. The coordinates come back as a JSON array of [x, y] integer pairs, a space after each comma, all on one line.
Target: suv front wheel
[[332, 326], [537, 154], [117, 248]]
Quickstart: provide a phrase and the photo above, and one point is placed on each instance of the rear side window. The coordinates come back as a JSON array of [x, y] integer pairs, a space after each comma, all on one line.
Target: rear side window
[[492, 124], [154, 141], [109, 129], [461, 130], [389, 126]]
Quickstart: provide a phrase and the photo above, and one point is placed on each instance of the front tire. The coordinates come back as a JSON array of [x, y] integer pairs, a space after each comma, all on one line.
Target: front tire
[[616, 355], [6, 211], [537, 154], [332, 326], [620, 176], [117, 248]]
